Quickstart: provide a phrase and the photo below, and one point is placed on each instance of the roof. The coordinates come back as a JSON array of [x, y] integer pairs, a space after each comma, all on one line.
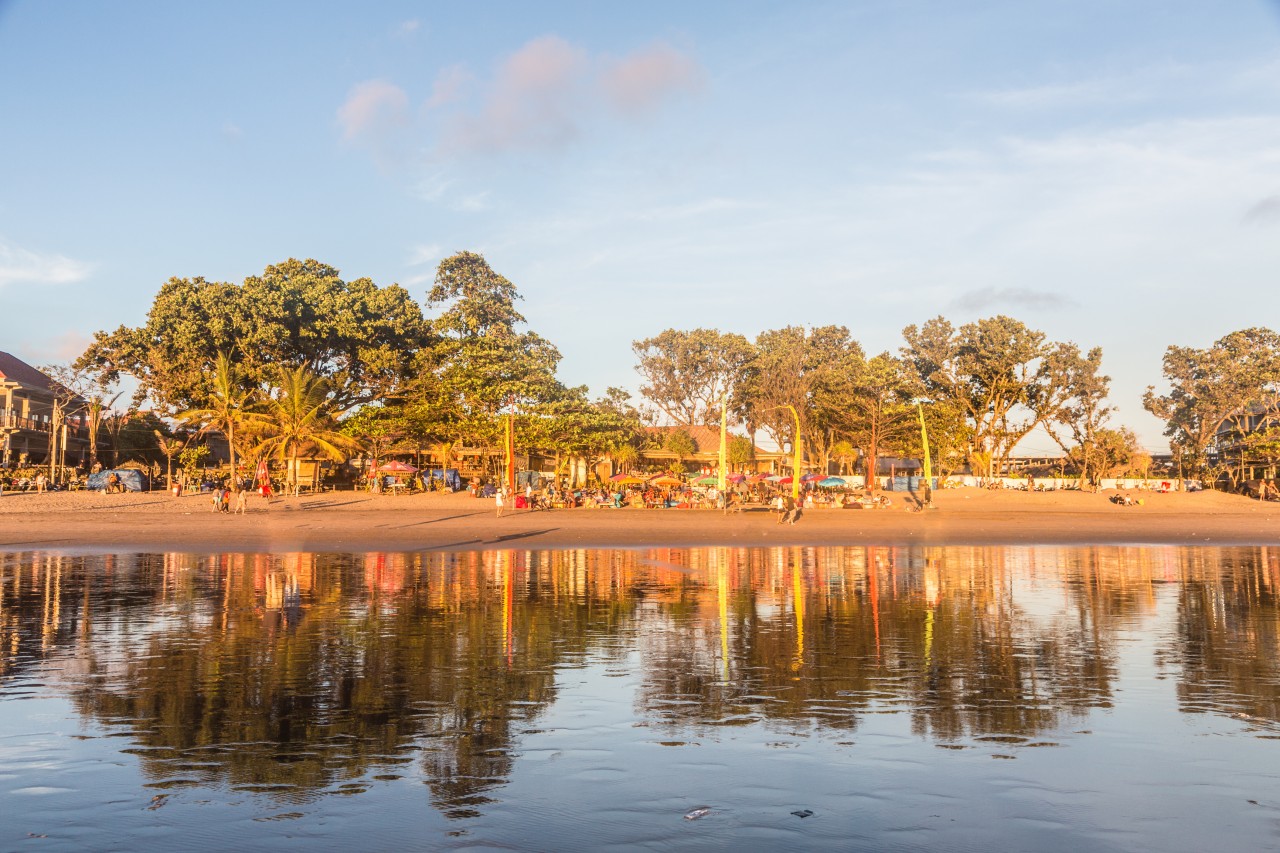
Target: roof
[[705, 439], [14, 369]]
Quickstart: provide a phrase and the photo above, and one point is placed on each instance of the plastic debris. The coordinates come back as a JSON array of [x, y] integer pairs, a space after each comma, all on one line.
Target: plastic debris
[[700, 811]]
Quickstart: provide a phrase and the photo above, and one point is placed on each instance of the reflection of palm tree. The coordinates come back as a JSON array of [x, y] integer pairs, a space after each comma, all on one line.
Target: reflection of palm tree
[[299, 418], [228, 406]]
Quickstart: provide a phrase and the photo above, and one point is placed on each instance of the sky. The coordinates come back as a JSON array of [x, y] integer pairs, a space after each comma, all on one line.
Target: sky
[[1107, 172]]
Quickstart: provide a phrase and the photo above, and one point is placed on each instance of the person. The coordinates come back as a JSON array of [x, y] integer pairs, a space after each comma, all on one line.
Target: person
[[217, 499], [41, 482], [226, 499], [498, 499], [780, 507], [241, 509], [113, 482]]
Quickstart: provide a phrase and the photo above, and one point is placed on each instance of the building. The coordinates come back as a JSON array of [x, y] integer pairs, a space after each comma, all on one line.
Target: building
[[28, 399], [706, 454]]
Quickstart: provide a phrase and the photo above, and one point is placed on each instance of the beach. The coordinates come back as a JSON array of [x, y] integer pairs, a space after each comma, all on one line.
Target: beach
[[360, 522]]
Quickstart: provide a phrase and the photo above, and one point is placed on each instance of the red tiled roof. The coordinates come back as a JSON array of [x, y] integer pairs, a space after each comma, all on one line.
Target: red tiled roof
[[706, 439], [16, 370]]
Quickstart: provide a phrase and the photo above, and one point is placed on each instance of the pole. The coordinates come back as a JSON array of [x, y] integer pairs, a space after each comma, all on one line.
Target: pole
[[511, 455], [928, 469], [724, 442], [795, 462]]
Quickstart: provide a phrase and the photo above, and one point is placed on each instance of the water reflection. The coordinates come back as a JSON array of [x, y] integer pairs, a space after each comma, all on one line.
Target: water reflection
[[299, 675]]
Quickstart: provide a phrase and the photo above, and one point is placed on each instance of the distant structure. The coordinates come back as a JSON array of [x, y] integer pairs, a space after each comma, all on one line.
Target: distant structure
[[27, 402]]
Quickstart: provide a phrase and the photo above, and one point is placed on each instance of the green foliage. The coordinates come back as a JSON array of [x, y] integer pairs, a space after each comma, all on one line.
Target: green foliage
[[681, 443], [190, 458], [296, 314], [688, 373]]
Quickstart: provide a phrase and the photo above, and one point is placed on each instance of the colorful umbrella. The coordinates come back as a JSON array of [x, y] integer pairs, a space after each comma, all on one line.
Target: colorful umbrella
[[709, 480], [832, 482], [777, 478], [736, 478], [626, 480], [395, 466], [783, 481], [666, 480], [809, 478]]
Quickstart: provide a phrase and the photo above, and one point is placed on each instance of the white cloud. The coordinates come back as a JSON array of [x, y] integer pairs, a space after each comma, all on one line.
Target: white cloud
[[639, 83], [449, 86], [371, 109], [532, 102], [408, 28], [20, 266]]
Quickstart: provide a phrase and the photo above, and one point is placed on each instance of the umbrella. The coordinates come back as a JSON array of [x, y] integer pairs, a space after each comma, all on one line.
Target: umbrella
[[809, 478], [397, 467], [736, 478], [777, 478], [758, 478], [666, 480], [832, 482], [783, 481], [626, 479], [709, 480], [618, 478]]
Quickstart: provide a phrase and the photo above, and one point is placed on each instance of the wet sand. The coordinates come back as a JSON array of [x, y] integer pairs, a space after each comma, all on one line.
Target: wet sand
[[357, 522]]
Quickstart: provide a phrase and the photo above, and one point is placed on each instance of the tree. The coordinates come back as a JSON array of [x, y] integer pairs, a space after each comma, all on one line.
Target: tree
[[680, 443], [86, 393], [296, 314], [1217, 394], [1004, 376], [688, 373], [807, 371], [301, 418], [228, 408], [479, 362], [1085, 412], [880, 410]]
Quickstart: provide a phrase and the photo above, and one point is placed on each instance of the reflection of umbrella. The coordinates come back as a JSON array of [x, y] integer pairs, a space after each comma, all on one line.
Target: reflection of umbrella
[[832, 482], [809, 478], [666, 480], [395, 466]]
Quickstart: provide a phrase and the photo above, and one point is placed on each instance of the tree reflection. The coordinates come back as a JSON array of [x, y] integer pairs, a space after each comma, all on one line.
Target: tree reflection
[[302, 674]]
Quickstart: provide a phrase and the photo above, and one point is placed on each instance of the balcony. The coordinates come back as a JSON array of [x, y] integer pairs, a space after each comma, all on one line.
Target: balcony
[[11, 421]]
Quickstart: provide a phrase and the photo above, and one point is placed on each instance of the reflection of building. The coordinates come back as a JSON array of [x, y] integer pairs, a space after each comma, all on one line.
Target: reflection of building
[[28, 399]]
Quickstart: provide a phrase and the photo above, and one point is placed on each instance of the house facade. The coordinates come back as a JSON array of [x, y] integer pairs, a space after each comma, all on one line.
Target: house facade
[[27, 402], [706, 454]]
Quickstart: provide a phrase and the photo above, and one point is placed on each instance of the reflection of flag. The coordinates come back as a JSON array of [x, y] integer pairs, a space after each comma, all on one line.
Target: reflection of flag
[[261, 476]]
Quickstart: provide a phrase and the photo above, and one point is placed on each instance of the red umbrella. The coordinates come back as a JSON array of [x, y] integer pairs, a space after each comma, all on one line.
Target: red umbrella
[[785, 481], [736, 478], [397, 467]]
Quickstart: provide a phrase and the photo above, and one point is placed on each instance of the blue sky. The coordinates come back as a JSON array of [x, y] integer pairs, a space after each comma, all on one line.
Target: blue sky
[[1108, 172]]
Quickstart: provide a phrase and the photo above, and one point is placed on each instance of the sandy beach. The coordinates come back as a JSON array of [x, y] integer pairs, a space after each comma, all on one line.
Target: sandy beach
[[358, 522]]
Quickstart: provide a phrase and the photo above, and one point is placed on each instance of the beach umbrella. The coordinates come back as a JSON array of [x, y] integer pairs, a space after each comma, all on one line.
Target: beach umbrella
[[758, 478], [783, 481], [709, 480], [626, 480], [618, 478], [809, 478], [397, 467], [736, 478], [832, 482], [666, 480], [777, 478]]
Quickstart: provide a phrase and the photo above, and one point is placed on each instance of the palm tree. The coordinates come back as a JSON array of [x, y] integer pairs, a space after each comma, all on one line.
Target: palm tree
[[300, 419], [228, 406]]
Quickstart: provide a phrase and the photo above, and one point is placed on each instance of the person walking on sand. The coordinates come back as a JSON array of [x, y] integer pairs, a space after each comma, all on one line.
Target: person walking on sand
[[241, 509], [498, 497]]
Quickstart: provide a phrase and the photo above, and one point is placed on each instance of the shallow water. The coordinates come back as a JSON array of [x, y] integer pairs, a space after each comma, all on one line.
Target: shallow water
[[908, 699]]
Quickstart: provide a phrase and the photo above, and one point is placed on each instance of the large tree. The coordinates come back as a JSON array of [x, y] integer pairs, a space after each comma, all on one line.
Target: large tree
[[301, 418], [359, 336], [1218, 394], [228, 408], [879, 410], [688, 373], [1005, 377], [805, 371]]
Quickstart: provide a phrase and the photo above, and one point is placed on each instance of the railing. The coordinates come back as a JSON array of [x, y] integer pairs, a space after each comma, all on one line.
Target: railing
[[12, 420]]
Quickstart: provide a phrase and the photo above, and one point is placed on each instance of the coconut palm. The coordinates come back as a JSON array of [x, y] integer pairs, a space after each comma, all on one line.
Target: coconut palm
[[228, 408], [300, 419]]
